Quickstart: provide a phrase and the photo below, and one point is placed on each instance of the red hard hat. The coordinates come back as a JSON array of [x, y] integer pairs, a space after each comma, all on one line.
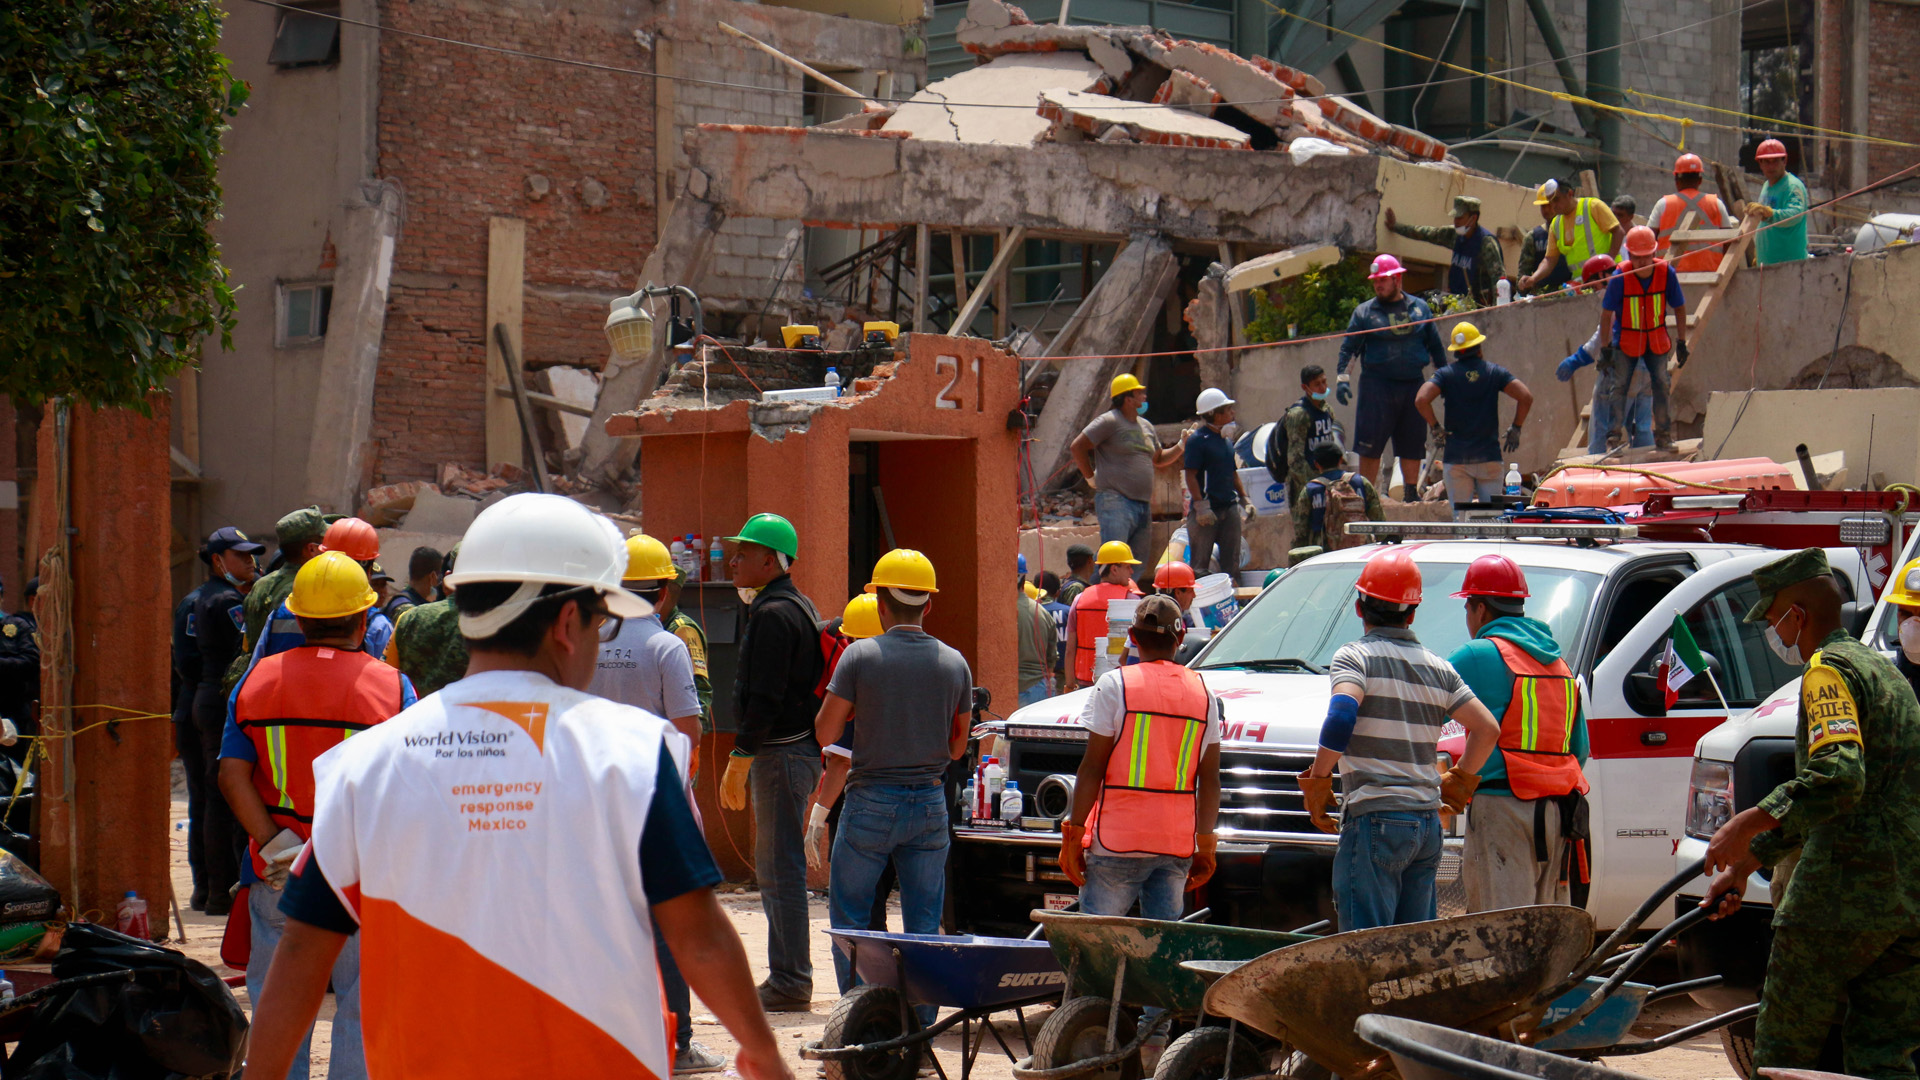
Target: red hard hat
[[1494, 575], [1688, 163], [357, 538], [1391, 576], [1772, 148], [1597, 267], [1173, 575], [1641, 241]]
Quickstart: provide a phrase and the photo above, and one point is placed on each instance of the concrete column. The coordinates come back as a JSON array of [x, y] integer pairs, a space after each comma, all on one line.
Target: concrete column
[[350, 358], [1603, 85]]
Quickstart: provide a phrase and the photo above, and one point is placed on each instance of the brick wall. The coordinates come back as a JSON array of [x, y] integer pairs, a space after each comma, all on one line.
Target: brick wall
[[1893, 86]]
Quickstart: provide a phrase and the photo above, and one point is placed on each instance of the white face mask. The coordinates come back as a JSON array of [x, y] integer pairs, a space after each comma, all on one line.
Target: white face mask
[[1788, 654], [1231, 430], [1910, 639], [746, 595], [1463, 230]]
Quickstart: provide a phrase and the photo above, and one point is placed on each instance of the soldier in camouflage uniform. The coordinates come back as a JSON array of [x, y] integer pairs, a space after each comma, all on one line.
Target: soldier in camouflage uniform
[[1478, 263], [300, 534], [1306, 424], [426, 644], [682, 626], [1846, 938]]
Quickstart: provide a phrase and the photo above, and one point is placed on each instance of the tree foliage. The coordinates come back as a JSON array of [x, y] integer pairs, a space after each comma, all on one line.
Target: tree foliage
[[111, 113], [1319, 301]]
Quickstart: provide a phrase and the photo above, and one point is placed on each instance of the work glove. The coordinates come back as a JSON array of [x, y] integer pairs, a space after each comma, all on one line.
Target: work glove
[[1204, 862], [733, 785], [1317, 793], [1680, 349], [1608, 354], [1343, 393], [1571, 364], [279, 854], [817, 837], [1512, 441], [1248, 512], [1438, 436], [1073, 857], [1204, 516], [1456, 789]]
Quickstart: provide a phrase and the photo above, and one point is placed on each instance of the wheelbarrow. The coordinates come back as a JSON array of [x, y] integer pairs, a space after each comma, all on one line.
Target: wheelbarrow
[[1422, 1051], [1116, 964], [874, 1034]]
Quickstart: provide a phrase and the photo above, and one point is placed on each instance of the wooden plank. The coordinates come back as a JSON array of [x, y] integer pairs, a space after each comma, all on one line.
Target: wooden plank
[[958, 247], [548, 401], [817, 75], [1699, 277], [506, 276], [1002, 291], [666, 129], [517, 378], [994, 272], [922, 270]]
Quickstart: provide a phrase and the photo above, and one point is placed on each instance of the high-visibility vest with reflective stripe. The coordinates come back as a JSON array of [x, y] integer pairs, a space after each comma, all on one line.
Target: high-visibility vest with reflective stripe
[[1536, 733], [1149, 796], [1090, 622], [1643, 312], [1577, 247], [299, 704], [1707, 214]]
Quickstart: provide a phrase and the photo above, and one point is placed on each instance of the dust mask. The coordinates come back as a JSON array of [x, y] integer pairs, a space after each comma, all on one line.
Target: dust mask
[[1788, 654], [1232, 429], [746, 595], [1910, 639], [1463, 230]]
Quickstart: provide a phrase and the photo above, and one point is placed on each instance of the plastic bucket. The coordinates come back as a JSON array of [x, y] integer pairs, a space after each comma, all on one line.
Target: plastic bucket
[[1214, 601], [1111, 651]]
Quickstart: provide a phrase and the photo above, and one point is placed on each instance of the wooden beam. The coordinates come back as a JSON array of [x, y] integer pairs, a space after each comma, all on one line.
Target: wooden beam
[[994, 271], [922, 270], [187, 408], [506, 271], [548, 401], [814, 73], [1002, 292], [517, 377], [957, 245]]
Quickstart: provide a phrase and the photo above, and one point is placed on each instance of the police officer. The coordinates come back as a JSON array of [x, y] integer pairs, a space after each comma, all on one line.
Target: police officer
[[218, 619], [1846, 932], [426, 645], [19, 678], [186, 737]]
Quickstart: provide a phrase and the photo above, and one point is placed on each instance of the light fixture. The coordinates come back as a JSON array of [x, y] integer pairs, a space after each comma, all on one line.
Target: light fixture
[[630, 328]]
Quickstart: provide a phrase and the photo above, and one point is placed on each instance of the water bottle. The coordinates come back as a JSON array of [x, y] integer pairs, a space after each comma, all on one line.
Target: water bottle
[[677, 552], [833, 380], [996, 782], [1503, 291], [133, 916], [1513, 479], [1011, 804], [971, 806], [716, 562]]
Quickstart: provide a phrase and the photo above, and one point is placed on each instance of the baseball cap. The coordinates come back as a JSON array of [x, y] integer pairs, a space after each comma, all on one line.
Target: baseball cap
[[228, 538], [376, 575], [1158, 612]]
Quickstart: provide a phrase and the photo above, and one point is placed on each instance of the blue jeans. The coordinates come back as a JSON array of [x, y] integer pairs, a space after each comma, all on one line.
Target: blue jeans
[[1114, 882], [349, 1058], [1615, 377], [880, 822], [679, 995], [1125, 519], [782, 779], [1639, 422], [1035, 694], [1384, 870]]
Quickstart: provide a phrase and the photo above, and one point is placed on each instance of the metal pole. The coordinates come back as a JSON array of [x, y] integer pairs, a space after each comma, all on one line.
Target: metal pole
[[1603, 86], [1550, 34]]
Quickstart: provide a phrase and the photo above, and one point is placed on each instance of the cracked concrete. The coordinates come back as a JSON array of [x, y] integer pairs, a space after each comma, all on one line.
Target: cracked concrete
[[995, 102]]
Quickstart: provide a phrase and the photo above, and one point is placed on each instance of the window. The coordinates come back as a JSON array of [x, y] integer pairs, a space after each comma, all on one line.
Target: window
[[1736, 652], [307, 37], [303, 313]]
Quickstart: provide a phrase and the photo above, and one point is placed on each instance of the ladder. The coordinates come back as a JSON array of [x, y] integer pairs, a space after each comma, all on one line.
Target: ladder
[[1732, 258]]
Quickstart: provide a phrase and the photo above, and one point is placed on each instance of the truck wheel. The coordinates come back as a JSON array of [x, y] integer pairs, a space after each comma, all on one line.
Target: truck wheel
[[1739, 1048], [1201, 1054], [1077, 1031], [870, 1014]]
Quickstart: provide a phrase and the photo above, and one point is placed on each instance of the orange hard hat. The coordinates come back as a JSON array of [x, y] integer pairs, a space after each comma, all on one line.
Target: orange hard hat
[[1391, 576], [1494, 575], [1173, 575], [357, 538], [1771, 148], [1688, 163], [1641, 241]]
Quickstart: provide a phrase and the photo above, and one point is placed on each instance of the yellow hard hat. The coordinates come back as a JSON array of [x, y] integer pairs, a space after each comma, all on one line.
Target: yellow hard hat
[[904, 568], [1115, 551], [647, 559], [1032, 590], [1906, 587], [1541, 196], [1465, 336], [1124, 384], [331, 586], [862, 617]]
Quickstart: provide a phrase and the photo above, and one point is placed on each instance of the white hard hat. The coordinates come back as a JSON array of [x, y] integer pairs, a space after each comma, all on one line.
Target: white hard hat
[[540, 540], [1210, 399], [1262, 435]]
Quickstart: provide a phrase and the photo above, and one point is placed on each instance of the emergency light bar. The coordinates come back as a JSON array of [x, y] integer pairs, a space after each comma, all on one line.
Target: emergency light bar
[[1056, 732], [1491, 530]]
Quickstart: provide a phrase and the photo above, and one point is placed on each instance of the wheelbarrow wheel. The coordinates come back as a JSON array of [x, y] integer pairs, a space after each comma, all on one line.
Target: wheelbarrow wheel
[[1077, 1031], [1201, 1054], [871, 1014]]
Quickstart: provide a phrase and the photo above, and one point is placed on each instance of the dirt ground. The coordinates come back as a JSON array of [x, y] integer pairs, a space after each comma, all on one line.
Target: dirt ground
[[1698, 1059]]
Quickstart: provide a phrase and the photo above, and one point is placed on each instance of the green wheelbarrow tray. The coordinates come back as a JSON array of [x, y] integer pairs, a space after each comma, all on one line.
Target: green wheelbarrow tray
[[1091, 948], [1478, 973]]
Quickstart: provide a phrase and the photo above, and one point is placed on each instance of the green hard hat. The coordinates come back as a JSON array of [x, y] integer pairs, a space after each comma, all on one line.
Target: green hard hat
[[1273, 575], [769, 531]]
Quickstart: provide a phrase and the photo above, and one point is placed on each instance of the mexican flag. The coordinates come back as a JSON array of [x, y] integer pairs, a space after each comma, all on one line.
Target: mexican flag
[[1682, 661]]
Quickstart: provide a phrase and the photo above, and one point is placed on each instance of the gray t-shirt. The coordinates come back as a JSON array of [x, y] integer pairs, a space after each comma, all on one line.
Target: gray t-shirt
[[1123, 454], [1409, 693], [906, 687], [648, 667]]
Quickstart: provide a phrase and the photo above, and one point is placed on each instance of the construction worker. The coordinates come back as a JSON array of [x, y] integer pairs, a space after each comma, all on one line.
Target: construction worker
[[682, 625], [1039, 645], [914, 695], [1625, 209], [1306, 424], [360, 541], [1687, 198], [290, 708], [1394, 337], [1478, 263], [776, 694], [859, 620], [217, 618], [423, 582], [504, 847], [1533, 251], [1088, 618], [1846, 924], [1080, 571], [1332, 482], [1783, 203], [1633, 321], [426, 645], [1391, 696], [1470, 444], [1176, 580], [186, 737], [1116, 455], [1219, 502], [1639, 422], [1905, 601], [1582, 227], [1147, 796], [1517, 846], [1050, 590]]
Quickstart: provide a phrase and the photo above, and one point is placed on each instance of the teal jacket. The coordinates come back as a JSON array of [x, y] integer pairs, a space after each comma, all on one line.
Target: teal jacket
[[1479, 663]]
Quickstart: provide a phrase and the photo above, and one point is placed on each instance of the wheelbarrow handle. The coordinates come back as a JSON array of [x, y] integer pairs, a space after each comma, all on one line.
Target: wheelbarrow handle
[[1676, 1036], [1638, 959], [1626, 929], [1041, 928], [1197, 916]]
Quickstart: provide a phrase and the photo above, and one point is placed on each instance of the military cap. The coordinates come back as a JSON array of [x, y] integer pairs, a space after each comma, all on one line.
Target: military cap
[[1787, 570], [1464, 205], [302, 527]]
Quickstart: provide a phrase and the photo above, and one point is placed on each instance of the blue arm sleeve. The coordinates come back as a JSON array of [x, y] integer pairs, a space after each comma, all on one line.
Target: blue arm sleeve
[[1337, 730]]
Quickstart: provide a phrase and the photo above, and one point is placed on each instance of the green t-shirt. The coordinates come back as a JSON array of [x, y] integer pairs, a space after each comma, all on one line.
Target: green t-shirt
[[1785, 238]]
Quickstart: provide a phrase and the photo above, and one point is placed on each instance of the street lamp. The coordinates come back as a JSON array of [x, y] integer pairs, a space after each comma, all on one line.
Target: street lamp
[[630, 325]]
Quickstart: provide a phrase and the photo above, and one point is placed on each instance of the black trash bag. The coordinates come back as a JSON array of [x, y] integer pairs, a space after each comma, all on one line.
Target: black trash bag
[[175, 1020], [25, 896]]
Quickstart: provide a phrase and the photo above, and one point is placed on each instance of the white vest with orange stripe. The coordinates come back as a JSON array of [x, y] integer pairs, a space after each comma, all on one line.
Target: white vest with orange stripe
[[488, 841]]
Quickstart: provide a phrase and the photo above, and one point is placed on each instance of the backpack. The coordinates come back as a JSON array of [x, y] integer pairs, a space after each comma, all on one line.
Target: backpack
[[1276, 462], [1344, 503], [832, 644]]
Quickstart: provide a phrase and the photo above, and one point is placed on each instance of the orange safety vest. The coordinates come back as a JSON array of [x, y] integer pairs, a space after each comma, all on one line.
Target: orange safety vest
[[295, 706], [1149, 797], [1643, 312], [1708, 214], [1536, 733], [1090, 622]]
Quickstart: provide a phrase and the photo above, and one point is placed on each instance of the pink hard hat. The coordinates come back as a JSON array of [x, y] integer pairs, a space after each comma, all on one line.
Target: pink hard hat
[[1385, 266]]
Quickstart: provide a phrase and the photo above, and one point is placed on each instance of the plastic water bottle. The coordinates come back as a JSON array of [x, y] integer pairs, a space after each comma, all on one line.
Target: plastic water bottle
[[1011, 803], [1513, 479], [133, 916], [1503, 291], [6, 988], [677, 552], [716, 562], [972, 800], [996, 783], [833, 380]]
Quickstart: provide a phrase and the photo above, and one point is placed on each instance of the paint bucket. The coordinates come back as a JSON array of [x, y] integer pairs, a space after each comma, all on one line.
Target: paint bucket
[[1213, 600], [1110, 652]]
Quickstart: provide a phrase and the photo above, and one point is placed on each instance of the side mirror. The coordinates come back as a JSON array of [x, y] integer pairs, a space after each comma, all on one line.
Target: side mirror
[[1645, 695], [1854, 618]]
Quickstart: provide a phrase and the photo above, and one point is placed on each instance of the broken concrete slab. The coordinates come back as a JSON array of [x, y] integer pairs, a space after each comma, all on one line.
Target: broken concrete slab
[[576, 386], [350, 356], [1863, 425], [1096, 114], [388, 504], [436, 513], [1266, 270], [1185, 90], [1257, 92], [939, 112]]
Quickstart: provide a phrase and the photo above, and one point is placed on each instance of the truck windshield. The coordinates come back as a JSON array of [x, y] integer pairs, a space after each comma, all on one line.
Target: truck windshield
[[1308, 614]]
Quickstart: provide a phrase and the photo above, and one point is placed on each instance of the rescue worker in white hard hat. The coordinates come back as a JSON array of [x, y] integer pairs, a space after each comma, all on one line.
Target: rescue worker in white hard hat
[[1117, 454], [1219, 501], [1904, 601], [505, 846], [1087, 621]]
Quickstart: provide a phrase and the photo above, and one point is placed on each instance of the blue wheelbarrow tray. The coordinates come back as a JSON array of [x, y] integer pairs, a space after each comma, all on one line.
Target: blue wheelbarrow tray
[[959, 971], [1607, 1025]]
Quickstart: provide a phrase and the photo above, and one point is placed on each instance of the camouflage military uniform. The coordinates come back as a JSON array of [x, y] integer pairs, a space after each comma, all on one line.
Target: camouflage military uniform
[[682, 626], [427, 646], [1304, 534], [1306, 424], [1846, 938], [1488, 267]]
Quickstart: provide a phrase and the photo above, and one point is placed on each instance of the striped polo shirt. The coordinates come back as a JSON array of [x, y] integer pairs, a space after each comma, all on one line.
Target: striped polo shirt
[[1408, 692]]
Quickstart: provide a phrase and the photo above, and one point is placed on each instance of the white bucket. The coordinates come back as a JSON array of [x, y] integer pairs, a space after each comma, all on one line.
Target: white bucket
[[1110, 652], [1213, 600]]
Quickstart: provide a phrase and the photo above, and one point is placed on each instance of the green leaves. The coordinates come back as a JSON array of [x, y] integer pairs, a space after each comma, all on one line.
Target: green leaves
[[111, 114], [1319, 301]]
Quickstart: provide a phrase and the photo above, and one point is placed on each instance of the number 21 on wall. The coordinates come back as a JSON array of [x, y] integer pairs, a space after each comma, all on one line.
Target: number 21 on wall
[[945, 399]]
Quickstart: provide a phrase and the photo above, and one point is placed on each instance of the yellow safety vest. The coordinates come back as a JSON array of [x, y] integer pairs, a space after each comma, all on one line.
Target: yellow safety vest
[[1575, 250]]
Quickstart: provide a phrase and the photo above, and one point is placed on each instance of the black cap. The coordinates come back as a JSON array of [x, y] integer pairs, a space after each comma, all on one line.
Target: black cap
[[228, 538]]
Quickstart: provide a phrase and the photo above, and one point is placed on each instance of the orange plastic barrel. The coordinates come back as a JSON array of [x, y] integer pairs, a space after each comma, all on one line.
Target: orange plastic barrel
[[1629, 485]]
